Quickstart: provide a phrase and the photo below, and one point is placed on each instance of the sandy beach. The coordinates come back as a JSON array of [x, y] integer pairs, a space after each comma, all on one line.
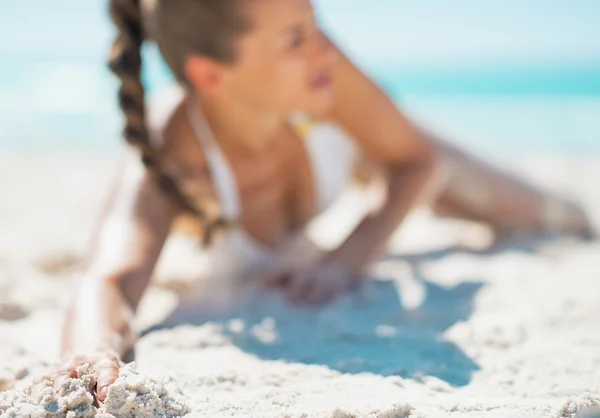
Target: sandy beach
[[443, 328]]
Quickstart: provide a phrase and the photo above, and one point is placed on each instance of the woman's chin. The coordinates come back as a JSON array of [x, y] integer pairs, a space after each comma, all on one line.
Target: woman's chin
[[321, 105]]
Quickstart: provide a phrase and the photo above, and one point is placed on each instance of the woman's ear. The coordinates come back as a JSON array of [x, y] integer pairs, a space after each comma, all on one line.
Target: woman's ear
[[205, 74]]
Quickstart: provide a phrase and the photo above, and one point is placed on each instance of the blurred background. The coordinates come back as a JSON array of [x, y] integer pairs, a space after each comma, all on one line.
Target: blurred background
[[507, 79], [501, 76]]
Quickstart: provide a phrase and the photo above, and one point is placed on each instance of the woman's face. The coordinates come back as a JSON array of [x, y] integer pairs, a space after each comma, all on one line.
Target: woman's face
[[283, 63]]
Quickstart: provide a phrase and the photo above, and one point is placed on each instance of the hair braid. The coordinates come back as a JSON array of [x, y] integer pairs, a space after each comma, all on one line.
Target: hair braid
[[126, 63]]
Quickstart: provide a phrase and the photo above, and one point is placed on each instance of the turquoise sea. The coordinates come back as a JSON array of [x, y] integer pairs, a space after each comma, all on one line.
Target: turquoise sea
[[492, 81]]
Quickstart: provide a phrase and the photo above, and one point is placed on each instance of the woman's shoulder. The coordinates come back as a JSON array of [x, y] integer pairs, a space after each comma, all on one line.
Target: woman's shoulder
[[169, 127], [182, 158], [172, 136]]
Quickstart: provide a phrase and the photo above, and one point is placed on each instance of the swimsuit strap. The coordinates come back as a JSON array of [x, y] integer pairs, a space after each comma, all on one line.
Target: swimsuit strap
[[220, 169]]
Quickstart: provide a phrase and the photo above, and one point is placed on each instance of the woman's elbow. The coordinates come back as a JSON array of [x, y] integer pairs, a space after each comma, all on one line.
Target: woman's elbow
[[429, 160], [424, 162], [418, 173]]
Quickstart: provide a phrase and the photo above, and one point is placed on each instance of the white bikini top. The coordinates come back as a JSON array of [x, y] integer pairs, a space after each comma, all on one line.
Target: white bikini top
[[330, 150], [237, 255]]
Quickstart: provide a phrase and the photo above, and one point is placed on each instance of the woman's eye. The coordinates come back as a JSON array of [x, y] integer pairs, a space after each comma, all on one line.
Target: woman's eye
[[296, 43], [297, 39]]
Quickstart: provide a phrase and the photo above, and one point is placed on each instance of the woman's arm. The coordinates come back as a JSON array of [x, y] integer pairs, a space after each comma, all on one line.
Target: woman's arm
[[464, 183], [126, 245], [411, 155], [387, 137]]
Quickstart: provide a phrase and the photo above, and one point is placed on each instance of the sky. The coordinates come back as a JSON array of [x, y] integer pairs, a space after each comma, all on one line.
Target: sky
[[463, 32], [53, 65], [407, 32]]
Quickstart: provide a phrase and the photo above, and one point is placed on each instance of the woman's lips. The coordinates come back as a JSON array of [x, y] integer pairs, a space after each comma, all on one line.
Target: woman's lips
[[322, 81]]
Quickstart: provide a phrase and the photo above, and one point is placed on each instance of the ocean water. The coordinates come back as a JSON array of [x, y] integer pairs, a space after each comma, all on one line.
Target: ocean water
[[56, 92]]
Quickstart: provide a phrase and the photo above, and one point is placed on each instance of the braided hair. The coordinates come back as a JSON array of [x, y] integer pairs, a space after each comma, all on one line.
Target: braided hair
[[174, 25]]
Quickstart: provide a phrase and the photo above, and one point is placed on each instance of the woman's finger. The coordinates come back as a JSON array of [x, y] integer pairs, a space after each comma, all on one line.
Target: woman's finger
[[322, 294], [64, 374], [107, 371], [39, 385], [277, 281], [300, 287]]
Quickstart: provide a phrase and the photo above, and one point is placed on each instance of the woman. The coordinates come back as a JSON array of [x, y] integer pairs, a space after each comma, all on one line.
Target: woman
[[239, 151]]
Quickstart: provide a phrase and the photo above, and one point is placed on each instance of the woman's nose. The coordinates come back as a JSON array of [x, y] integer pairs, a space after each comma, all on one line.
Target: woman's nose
[[325, 52]]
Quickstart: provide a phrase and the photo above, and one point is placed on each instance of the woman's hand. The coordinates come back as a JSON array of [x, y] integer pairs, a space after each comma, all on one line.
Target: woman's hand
[[97, 331], [104, 365], [315, 285]]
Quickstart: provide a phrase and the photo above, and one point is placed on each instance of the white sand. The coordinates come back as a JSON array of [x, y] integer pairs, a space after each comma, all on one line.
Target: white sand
[[130, 396], [461, 334]]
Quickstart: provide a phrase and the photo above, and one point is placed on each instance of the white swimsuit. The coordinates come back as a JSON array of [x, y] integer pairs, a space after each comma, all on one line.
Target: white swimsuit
[[237, 255]]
